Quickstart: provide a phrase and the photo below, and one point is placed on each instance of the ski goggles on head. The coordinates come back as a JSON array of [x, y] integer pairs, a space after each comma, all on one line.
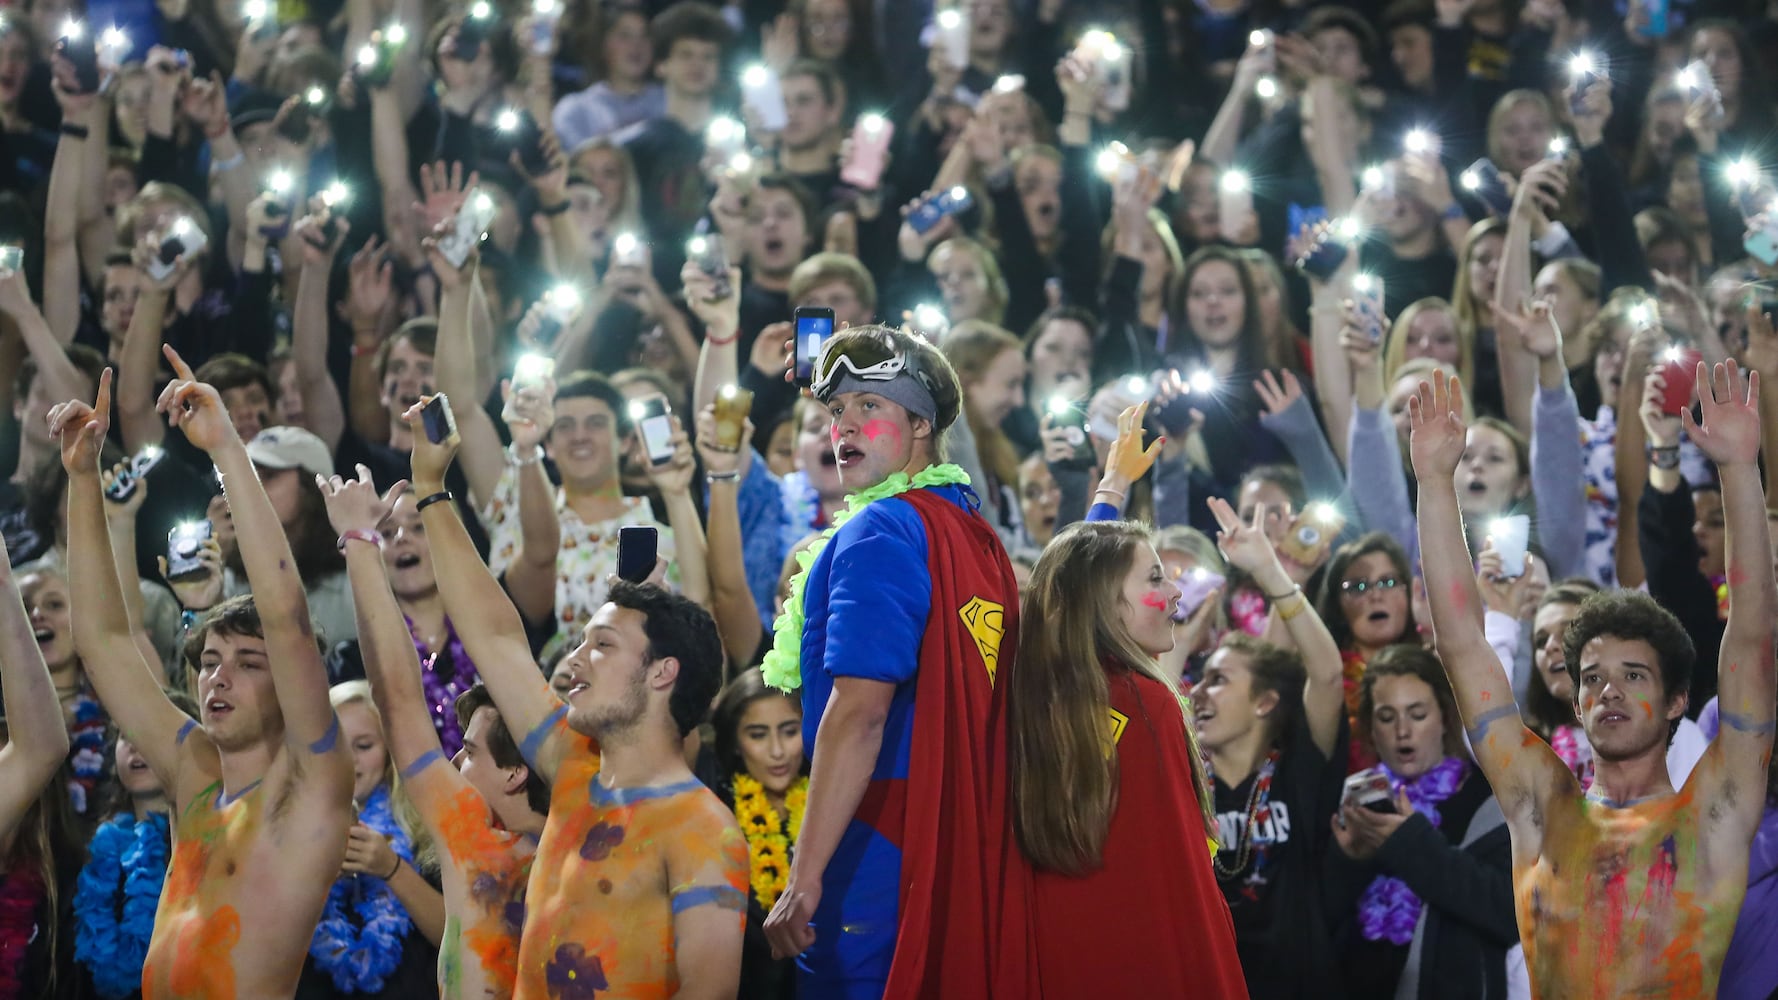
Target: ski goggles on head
[[874, 364]]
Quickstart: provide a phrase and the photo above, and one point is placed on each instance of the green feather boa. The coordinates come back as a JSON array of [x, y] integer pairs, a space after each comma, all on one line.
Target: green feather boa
[[783, 666]]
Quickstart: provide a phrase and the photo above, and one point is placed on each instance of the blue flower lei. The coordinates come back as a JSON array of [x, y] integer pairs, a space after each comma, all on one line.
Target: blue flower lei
[[359, 939], [115, 900]]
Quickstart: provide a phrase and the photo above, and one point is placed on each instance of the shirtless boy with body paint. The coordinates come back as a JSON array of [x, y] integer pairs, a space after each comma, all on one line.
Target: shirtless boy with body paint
[[639, 887], [488, 810], [1632, 889], [262, 789]]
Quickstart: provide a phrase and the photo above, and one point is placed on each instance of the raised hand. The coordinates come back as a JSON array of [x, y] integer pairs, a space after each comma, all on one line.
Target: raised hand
[[1128, 461], [429, 461], [1437, 429], [122, 510], [353, 504], [674, 477], [1534, 325], [1244, 544], [529, 411], [1278, 392], [195, 407], [370, 286], [442, 190], [1729, 434], [82, 428], [716, 458]]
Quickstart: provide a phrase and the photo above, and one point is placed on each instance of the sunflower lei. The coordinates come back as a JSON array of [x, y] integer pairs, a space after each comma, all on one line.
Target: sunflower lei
[[783, 665], [769, 842]]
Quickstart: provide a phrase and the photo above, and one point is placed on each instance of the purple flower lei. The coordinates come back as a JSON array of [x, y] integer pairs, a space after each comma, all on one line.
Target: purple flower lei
[[444, 678], [1388, 910]]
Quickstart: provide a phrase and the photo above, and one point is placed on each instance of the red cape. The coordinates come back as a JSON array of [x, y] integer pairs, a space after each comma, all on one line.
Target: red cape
[[965, 927]]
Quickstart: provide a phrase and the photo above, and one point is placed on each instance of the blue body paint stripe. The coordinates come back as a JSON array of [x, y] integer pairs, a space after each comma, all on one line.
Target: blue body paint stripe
[[726, 896], [602, 796], [184, 731], [1488, 718], [1742, 724], [423, 762], [533, 744], [328, 739]]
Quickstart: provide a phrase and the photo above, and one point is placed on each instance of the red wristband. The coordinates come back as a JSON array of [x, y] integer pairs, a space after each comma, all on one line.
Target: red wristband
[[361, 535], [721, 341]]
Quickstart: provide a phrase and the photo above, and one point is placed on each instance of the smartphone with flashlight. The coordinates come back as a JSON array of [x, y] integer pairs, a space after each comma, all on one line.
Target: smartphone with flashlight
[[731, 408], [299, 122], [1234, 200], [1195, 587], [1367, 297], [185, 544], [437, 420], [638, 548], [519, 132], [1312, 533], [545, 14], [950, 35], [78, 46], [129, 478], [12, 260], [707, 252], [1583, 70], [654, 423], [1679, 375], [812, 325], [1511, 537], [1483, 182], [530, 371], [951, 201], [762, 91], [870, 152], [375, 62], [1761, 241], [183, 239], [1071, 416], [561, 306], [471, 223], [473, 32], [1327, 251]]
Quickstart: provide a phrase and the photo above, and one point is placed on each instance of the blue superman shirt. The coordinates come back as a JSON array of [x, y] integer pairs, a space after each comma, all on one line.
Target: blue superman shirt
[[866, 603]]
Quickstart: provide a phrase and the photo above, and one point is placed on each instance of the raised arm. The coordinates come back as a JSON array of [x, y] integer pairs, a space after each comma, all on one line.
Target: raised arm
[[390, 661], [127, 682], [1544, 184], [140, 362], [673, 480], [492, 632], [1247, 548], [454, 368], [61, 378], [38, 738], [1523, 770], [324, 411], [299, 679], [1746, 685], [531, 576], [61, 216], [731, 601]]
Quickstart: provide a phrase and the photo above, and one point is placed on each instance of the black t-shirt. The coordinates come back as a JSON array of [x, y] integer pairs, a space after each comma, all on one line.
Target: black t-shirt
[[673, 195], [1280, 927], [1408, 281]]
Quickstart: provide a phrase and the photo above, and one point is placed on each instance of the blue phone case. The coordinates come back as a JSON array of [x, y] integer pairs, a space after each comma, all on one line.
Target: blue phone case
[[933, 210], [1657, 17]]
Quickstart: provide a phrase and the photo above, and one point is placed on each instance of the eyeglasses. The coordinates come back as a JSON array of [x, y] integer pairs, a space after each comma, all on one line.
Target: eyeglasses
[[1358, 588]]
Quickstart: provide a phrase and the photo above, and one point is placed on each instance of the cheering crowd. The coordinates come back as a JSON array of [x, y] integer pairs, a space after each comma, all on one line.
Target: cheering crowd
[[911, 498]]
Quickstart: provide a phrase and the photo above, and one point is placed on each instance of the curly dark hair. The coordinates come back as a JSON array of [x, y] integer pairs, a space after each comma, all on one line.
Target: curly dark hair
[[679, 629], [1630, 614]]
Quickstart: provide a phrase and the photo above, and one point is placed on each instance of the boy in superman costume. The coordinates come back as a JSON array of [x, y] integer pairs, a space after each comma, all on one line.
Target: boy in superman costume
[[906, 879]]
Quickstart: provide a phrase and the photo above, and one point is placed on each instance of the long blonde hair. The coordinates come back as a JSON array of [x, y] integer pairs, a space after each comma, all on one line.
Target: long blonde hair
[[1064, 773], [407, 815]]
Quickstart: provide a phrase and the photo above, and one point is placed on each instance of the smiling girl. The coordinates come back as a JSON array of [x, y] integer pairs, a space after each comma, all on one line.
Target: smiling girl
[[759, 748]]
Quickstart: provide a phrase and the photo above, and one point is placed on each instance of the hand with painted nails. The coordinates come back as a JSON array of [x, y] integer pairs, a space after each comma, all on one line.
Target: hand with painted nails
[[81, 429], [353, 504], [1128, 461]]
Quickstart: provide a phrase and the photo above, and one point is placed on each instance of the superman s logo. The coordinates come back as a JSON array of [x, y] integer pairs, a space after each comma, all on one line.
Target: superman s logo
[[986, 622]]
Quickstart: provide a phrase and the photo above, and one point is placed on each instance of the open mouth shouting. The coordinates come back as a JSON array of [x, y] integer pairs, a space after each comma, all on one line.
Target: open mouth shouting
[[847, 454], [217, 708], [407, 560]]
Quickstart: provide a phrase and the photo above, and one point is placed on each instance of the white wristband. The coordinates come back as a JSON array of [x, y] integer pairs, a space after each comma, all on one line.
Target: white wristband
[[520, 458]]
